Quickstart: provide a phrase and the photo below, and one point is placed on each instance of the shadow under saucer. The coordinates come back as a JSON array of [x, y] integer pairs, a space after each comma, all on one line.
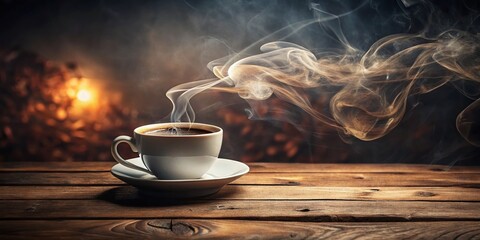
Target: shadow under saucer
[[131, 196]]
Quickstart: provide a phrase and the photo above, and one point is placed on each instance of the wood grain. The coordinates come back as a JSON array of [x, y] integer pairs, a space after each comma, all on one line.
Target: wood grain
[[56, 166], [254, 167], [285, 179], [274, 201], [110, 208], [239, 192], [238, 229]]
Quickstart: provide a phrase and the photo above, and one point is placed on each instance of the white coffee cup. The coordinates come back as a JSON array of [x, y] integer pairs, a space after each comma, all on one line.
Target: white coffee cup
[[173, 156]]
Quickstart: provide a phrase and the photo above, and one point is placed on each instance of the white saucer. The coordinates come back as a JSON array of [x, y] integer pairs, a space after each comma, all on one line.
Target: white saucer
[[222, 172]]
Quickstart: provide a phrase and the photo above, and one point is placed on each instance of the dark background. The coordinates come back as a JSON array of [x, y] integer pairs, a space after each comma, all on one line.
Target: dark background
[[140, 49]]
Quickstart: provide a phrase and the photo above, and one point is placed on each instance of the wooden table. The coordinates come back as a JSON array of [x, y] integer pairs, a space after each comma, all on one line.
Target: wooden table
[[275, 200]]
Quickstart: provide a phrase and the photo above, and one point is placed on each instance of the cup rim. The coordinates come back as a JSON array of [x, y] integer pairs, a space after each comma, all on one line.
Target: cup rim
[[203, 126]]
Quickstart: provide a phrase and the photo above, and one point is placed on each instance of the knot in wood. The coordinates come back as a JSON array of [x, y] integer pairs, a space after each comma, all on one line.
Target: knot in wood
[[179, 228], [183, 229]]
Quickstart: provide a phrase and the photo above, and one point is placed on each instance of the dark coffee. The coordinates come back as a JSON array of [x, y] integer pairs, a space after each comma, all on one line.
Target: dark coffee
[[176, 131]]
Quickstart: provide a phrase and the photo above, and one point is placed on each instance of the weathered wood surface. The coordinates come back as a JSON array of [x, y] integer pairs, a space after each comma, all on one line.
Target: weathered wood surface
[[275, 200], [254, 167], [280, 179], [239, 192], [238, 229], [300, 210]]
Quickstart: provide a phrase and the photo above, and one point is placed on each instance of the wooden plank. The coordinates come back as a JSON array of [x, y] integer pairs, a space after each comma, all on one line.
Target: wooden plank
[[358, 167], [56, 166], [362, 179], [241, 209], [237, 229], [254, 167], [58, 178], [240, 192], [287, 179]]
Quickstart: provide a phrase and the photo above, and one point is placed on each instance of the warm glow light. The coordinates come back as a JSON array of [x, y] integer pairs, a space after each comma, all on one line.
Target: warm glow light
[[84, 95]]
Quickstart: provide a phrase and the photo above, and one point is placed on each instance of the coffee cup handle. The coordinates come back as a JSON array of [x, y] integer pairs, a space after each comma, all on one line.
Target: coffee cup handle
[[119, 159]]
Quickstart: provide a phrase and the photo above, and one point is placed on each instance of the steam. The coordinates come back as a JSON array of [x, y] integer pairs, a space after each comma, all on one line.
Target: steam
[[373, 87], [368, 89]]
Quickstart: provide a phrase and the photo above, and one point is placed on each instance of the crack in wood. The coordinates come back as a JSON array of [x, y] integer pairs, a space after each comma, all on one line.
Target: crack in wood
[[177, 228], [33, 208], [222, 207], [425, 194], [293, 183], [439, 169], [303, 210]]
